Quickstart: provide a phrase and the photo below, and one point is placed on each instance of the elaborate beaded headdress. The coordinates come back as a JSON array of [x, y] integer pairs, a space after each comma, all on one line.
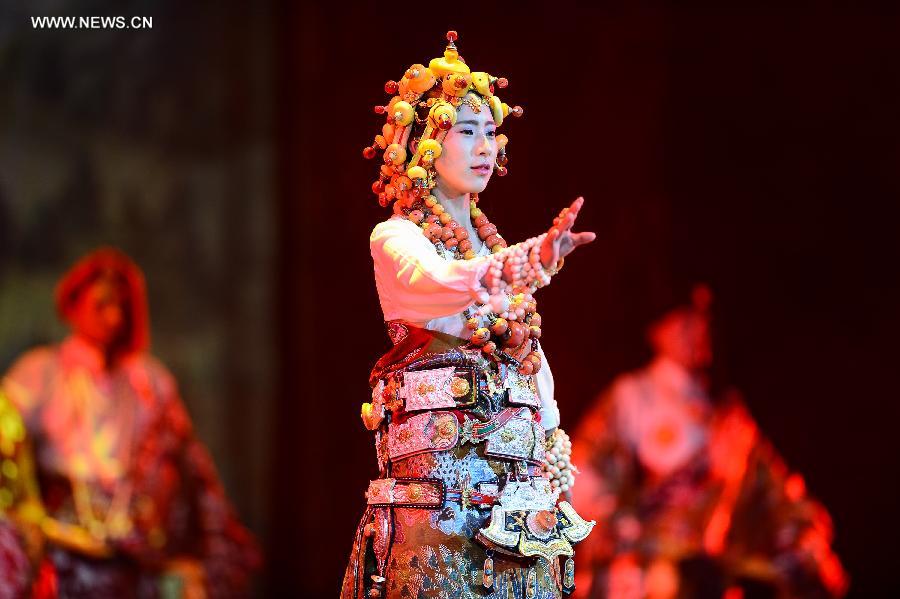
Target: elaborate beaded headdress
[[422, 109]]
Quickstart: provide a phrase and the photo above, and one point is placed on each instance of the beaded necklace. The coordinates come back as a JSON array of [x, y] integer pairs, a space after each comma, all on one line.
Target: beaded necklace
[[507, 327]]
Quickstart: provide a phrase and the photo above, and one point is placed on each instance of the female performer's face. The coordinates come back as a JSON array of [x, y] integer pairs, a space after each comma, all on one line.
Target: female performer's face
[[468, 153]]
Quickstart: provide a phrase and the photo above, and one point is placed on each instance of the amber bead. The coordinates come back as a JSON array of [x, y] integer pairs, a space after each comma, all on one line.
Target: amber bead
[[516, 335], [535, 320], [451, 243], [416, 216], [500, 326], [378, 187], [535, 332], [369, 153], [502, 160], [446, 233], [480, 336], [486, 230], [480, 220], [431, 218], [391, 87], [465, 245], [502, 171], [461, 233]]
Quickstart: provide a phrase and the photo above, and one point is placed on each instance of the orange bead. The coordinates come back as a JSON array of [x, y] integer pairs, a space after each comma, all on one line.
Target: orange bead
[[445, 219], [500, 326], [516, 335]]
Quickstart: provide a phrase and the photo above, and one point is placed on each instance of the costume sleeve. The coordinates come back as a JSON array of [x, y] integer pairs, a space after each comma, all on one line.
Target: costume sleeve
[[414, 283], [774, 516], [231, 554], [543, 380], [212, 533]]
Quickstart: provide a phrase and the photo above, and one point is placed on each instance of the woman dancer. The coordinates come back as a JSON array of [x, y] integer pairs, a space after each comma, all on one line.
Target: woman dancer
[[462, 406]]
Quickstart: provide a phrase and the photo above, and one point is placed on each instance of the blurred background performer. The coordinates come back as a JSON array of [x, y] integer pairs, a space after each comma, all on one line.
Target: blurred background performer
[[134, 507], [692, 500], [20, 508]]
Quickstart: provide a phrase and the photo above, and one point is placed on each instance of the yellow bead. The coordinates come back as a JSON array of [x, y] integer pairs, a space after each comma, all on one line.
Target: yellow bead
[[429, 145], [475, 212], [441, 111], [437, 209], [417, 172], [496, 110], [502, 140], [469, 254], [482, 83], [430, 201], [445, 218], [403, 113]]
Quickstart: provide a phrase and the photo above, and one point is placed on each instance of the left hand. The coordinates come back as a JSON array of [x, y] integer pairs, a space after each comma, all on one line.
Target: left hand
[[561, 240]]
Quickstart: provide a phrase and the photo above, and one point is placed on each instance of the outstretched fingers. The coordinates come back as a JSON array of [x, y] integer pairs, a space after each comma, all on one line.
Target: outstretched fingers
[[583, 237]]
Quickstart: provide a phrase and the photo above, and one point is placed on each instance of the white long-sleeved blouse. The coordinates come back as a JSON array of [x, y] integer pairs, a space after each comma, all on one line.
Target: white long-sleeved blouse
[[417, 285]]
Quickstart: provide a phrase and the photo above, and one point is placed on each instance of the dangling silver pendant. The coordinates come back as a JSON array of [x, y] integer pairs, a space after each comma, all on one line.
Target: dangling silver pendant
[[487, 575], [569, 575], [531, 584]]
